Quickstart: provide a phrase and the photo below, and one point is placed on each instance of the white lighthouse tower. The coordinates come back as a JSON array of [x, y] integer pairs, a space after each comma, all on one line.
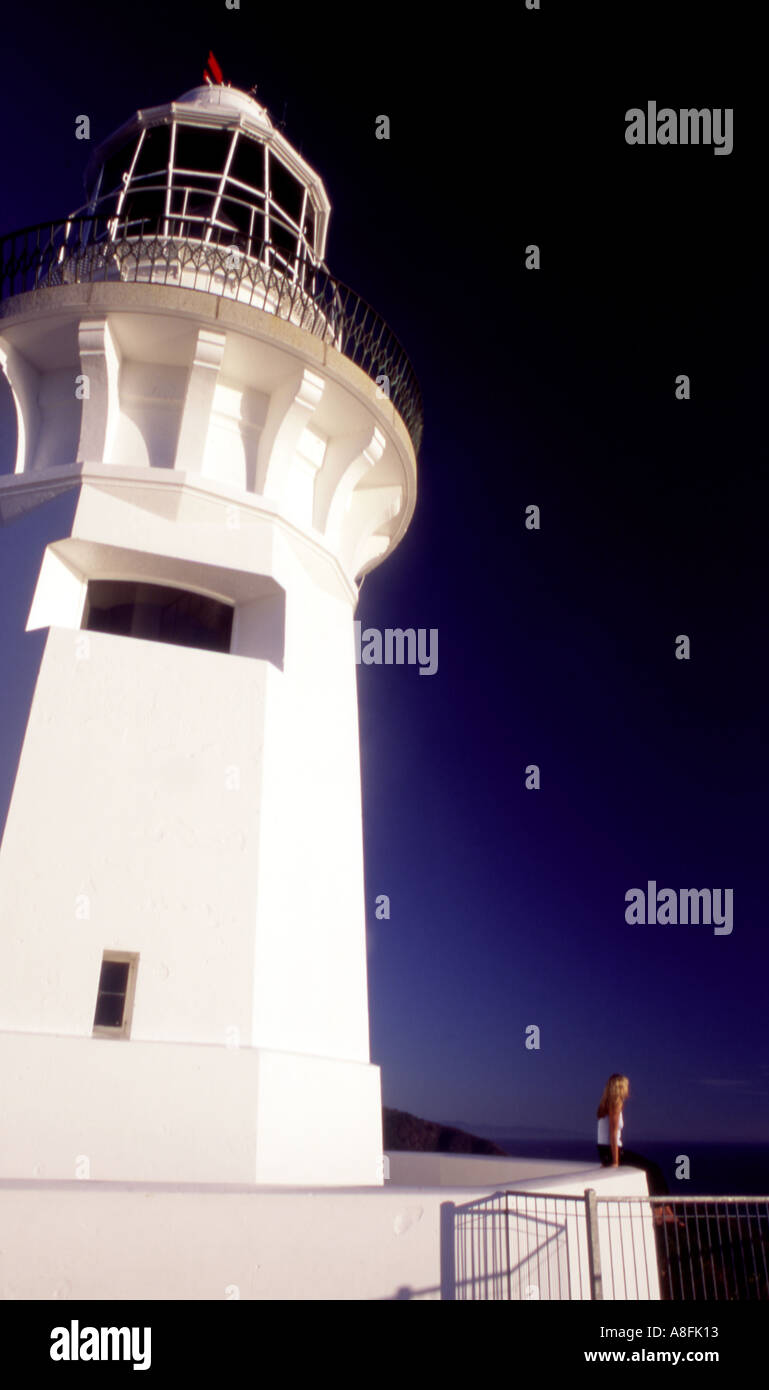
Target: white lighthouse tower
[[215, 441]]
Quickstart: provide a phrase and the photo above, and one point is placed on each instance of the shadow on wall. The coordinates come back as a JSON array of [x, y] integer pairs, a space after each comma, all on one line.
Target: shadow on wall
[[535, 1246], [448, 1286], [8, 430], [22, 546]]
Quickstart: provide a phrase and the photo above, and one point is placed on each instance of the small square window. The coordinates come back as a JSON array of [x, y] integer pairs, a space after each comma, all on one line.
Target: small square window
[[114, 1000]]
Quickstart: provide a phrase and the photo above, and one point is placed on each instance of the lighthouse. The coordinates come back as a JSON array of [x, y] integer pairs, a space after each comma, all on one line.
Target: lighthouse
[[215, 440]]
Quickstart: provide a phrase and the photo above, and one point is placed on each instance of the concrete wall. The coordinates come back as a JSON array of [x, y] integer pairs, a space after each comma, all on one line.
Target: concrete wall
[[91, 1240], [197, 811], [534, 1246], [202, 812], [123, 834], [173, 1112], [474, 1170], [182, 380]]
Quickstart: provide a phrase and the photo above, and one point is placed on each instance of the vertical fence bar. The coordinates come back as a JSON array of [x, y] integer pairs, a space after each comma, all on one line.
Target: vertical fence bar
[[610, 1228], [641, 1263], [509, 1244], [711, 1253], [688, 1247], [762, 1255], [722, 1250], [548, 1252], [730, 1240], [741, 1253], [679, 1261], [593, 1244], [752, 1237], [704, 1283], [568, 1227]]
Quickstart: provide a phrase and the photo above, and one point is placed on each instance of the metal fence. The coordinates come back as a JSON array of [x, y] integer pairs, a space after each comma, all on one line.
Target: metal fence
[[707, 1248], [526, 1245], [522, 1245], [88, 249]]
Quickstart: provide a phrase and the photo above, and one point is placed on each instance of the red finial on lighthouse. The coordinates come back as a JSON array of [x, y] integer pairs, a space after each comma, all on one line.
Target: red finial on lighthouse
[[213, 74]]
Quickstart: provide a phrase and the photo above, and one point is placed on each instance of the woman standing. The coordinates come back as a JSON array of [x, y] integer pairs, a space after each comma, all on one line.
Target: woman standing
[[611, 1150], [610, 1121]]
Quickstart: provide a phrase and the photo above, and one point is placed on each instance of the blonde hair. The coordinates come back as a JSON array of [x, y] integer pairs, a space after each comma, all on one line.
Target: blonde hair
[[614, 1093]]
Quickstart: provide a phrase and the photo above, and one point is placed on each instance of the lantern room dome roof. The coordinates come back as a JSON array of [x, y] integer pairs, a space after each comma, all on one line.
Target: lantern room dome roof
[[224, 99]]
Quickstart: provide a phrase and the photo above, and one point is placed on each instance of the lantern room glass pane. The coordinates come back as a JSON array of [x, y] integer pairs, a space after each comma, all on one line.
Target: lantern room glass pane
[[248, 163], [237, 218], [115, 167], [153, 155], [191, 211], [200, 149], [143, 211], [241, 197], [284, 239], [199, 207], [285, 190]]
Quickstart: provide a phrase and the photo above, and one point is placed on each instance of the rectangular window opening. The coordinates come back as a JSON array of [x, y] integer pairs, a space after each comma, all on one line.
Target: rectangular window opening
[[158, 613], [115, 995]]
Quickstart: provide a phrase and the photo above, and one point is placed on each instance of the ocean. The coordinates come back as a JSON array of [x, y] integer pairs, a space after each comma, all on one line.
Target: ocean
[[735, 1170]]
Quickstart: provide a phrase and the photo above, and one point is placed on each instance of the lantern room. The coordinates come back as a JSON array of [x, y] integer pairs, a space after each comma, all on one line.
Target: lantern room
[[210, 167]]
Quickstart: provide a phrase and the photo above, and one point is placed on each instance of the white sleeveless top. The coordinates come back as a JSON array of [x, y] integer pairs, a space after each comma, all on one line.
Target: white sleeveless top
[[603, 1131]]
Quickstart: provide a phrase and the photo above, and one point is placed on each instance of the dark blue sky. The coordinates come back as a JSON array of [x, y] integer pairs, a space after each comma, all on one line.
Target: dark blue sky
[[555, 647]]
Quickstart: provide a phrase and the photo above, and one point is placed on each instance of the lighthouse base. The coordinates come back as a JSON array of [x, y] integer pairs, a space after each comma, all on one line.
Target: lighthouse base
[[138, 1111]]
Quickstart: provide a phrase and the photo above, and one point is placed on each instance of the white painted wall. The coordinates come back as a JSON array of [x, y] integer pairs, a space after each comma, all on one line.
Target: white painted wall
[[198, 810], [188, 382], [184, 1112], [530, 1246], [202, 810], [412, 1169], [309, 1244]]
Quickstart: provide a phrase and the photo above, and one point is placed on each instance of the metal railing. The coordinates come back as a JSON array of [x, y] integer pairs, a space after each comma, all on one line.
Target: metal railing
[[522, 1245], [536, 1245], [88, 249], [707, 1248]]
